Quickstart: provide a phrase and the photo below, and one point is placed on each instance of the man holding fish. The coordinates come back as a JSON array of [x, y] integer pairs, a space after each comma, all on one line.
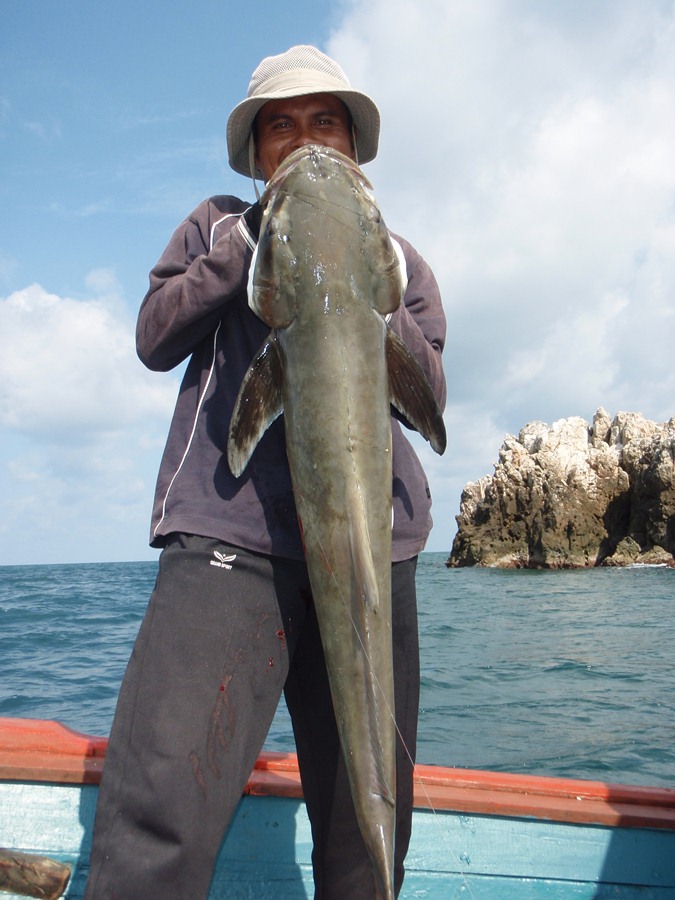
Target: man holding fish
[[290, 508]]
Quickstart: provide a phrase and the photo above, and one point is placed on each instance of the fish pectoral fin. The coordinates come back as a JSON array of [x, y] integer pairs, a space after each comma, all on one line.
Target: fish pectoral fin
[[411, 394], [258, 404]]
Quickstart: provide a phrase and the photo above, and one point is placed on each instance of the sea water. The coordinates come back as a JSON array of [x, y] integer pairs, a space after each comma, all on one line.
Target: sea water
[[566, 673]]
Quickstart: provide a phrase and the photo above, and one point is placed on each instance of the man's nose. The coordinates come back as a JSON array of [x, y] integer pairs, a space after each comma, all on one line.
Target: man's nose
[[304, 135]]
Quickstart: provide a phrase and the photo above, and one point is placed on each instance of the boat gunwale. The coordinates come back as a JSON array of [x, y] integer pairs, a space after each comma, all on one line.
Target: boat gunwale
[[37, 750]]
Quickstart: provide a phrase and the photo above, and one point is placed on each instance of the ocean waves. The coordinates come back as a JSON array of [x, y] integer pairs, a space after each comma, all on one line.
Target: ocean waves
[[564, 673]]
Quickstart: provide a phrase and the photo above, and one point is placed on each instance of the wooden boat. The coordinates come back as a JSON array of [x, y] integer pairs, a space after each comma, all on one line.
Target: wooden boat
[[476, 834]]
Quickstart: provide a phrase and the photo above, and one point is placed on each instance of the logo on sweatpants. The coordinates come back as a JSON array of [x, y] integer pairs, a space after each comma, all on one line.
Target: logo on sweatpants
[[222, 560]]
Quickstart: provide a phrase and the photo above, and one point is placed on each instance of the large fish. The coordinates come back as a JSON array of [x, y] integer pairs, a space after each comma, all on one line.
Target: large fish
[[325, 276]]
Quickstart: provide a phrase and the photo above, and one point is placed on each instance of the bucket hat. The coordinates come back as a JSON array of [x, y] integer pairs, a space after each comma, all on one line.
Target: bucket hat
[[299, 71]]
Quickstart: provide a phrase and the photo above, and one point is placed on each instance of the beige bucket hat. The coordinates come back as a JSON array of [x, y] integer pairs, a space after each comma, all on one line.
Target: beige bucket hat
[[299, 71]]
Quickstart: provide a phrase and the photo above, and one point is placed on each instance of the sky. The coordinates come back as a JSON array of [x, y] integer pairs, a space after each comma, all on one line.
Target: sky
[[527, 151]]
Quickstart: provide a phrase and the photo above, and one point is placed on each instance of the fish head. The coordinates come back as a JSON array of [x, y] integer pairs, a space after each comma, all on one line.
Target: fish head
[[318, 163], [319, 209]]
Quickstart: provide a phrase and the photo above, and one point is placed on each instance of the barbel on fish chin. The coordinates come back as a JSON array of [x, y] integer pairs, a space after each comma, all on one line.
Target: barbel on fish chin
[[326, 274]]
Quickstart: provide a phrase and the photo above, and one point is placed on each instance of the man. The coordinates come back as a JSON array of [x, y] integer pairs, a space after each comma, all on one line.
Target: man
[[231, 621]]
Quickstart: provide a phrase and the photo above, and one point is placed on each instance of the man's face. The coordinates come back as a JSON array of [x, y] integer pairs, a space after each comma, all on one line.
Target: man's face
[[283, 126]]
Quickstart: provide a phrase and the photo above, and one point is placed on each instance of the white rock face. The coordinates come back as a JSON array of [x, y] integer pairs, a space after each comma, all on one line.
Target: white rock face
[[573, 495]]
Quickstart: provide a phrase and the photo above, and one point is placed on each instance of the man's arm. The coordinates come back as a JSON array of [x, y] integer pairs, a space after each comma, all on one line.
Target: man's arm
[[189, 287], [420, 320]]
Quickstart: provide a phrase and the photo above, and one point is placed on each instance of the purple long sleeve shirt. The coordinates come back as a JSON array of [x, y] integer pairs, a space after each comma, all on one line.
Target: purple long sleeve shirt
[[197, 307]]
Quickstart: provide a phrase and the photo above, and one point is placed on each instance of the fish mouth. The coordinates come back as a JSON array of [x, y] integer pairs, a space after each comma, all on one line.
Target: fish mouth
[[326, 160]]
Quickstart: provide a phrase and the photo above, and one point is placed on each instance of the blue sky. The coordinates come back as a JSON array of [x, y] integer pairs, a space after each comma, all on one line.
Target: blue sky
[[526, 150]]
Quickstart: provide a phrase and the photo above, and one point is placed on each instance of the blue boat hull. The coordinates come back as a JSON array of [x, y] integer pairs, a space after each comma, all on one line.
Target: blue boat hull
[[476, 835], [267, 852]]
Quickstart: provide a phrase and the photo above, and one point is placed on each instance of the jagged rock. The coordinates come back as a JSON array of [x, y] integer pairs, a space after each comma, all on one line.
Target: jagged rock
[[629, 553], [574, 495], [626, 554]]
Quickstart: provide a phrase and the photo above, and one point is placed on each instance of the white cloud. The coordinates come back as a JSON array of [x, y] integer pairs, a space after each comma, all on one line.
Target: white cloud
[[527, 151], [69, 365], [82, 423]]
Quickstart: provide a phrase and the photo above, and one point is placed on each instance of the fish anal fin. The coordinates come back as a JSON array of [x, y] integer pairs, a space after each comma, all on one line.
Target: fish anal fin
[[411, 394], [259, 403]]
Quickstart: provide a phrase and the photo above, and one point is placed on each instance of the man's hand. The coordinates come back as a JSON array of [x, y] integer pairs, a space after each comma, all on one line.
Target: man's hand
[[253, 218]]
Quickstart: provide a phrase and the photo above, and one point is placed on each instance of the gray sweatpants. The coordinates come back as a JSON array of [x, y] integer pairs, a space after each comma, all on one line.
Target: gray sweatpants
[[225, 632]]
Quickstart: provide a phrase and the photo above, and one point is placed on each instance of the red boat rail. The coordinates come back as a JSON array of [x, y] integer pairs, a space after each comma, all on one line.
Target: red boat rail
[[39, 750]]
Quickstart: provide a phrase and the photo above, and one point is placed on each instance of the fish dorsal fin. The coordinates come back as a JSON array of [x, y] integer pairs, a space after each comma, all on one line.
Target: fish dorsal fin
[[411, 395], [258, 404]]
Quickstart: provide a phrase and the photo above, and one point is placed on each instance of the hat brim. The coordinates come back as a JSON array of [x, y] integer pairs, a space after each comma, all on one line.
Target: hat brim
[[365, 116]]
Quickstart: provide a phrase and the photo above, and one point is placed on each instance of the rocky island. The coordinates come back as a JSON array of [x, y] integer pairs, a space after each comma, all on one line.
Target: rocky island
[[574, 495]]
